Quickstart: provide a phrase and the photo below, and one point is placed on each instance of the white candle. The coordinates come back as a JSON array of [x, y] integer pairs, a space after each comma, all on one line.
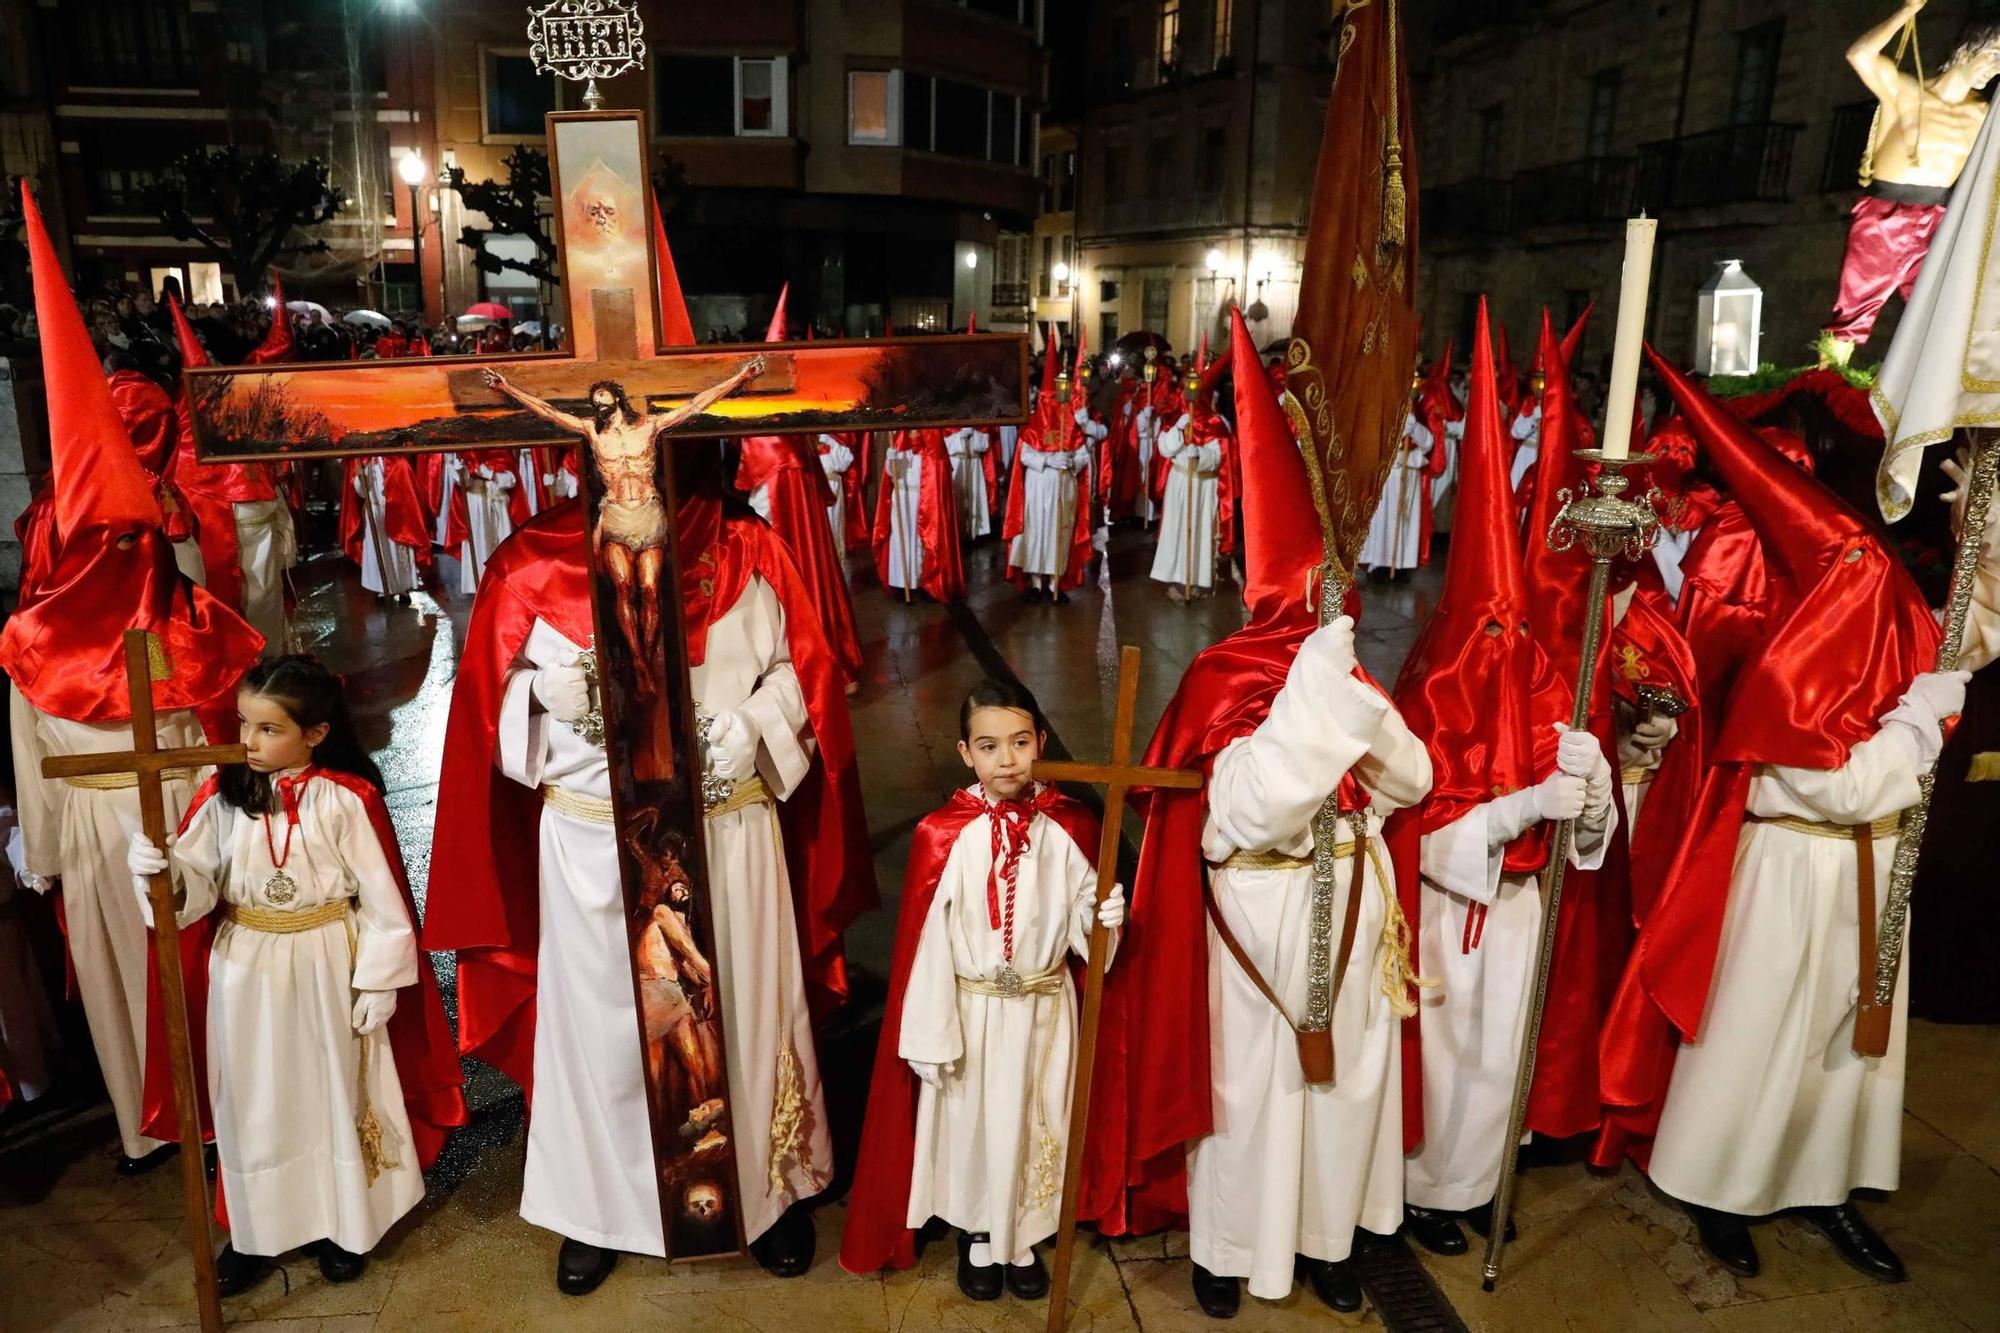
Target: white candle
[[1632, 287]]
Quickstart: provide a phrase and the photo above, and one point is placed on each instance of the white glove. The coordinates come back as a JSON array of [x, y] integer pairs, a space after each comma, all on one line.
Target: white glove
[[1083, 416], [38, 883], [505, 481], [360, 484], [1577, 752], [145, 860], [732, 747], [1560, 795], [1145, 418], [1332, 643], [1645, 740], [485, 472], [928, 1073], [548, 479], [1111, 912], [563, 690], [372, 1008], [1937, 694]]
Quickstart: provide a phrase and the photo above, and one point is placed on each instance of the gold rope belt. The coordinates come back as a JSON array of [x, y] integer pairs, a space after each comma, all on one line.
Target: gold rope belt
[[1277, 860], [286, 923], [596, 810], [125, 781], [1042, 983], [1632, 777], [1885, 827]]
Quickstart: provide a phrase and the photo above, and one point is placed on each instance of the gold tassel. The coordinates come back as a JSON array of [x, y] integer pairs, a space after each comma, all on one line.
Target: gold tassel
[[1395, 206], [375, 1158], [1985, 767], [788, 1116], [1399, 970]]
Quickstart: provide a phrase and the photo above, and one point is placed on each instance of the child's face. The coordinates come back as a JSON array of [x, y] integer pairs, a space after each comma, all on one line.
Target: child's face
[[1001, 747], [274, 738]]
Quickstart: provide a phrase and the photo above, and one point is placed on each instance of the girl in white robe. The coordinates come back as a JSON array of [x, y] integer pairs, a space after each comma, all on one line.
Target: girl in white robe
[[1185, 555], [312, 1137]]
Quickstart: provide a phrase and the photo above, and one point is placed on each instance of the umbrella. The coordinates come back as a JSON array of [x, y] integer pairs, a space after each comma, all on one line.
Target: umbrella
[[309, 308], [372, 318], [531, 327], [1132, 347], [472, 323], [492, 310]]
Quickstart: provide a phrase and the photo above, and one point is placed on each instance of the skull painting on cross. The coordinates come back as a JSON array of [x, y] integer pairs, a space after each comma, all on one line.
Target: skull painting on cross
[[603, 215], [703, 1201]]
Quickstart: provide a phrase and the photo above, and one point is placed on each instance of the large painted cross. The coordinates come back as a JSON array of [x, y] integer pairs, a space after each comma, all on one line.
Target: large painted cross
[[598, 172]]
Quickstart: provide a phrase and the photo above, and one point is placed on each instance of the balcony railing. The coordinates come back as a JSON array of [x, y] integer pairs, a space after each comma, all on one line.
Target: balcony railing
[[1010, 295], [1169, 214], [1479, 207], [1591, 189], [1736, 164]]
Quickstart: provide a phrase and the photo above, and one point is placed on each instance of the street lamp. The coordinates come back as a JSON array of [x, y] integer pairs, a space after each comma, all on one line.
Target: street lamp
[[972, 259], [1214, 260], [411, 169]]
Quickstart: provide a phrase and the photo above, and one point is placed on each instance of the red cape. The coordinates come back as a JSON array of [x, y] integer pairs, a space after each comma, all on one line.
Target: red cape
[[797, 489], [1053, 430], [1647, 649], [149, 418], [487, 826], [405, 523], [458, 528], [419, 1033], [1722, 604], [937, 518], [876, 1235]]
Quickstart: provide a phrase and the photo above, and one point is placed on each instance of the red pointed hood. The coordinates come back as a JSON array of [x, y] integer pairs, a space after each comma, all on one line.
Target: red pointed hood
[[676, 329], [1476, 686], [193, 354], [1434, 400], [1282, 546], [1574, 338], [972, 321], [1506, 379], [775, 331], [277, 345], [1557, 581], [113, 569], [1808, 696]]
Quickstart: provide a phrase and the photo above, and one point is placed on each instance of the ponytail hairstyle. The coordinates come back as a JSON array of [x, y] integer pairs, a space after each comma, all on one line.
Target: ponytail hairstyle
[[311, 694]]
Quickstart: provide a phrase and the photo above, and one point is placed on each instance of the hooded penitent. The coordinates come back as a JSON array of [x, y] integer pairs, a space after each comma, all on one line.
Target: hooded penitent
[[113, 569], [1804, 699], [1152, 1090], [211, 490], [1053, 430]]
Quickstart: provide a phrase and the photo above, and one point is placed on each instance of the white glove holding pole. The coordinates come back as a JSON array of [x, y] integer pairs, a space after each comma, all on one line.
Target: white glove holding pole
[[1579, 755], [372, 1008], [505, 481], [1560, 795], [1937, 694], [1332, 643], [929, 1073], [1110, 913], [732, 747], [563, 690], [145, 860]]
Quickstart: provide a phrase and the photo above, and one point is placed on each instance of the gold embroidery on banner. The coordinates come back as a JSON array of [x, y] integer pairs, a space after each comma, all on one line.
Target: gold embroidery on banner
[[1359, 274], [1966, 378], [158, 665]]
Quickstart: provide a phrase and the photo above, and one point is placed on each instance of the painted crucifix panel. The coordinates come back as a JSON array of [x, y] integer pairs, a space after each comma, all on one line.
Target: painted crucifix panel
[[626, 404]]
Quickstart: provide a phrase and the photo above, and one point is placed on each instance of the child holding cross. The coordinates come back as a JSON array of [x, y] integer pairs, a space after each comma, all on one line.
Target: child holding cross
[[968, 1115]]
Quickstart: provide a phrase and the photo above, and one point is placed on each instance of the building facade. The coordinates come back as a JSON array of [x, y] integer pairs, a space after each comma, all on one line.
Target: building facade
[[1196, 150], [1544, 124]]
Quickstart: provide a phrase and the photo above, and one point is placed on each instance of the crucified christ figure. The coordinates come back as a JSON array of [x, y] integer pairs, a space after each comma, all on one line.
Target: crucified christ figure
[[632, 527]]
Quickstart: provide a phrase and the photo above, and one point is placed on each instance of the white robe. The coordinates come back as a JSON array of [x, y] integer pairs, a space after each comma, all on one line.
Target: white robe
[[1396, 533], [990, 1145], [1185, 554], [283, 1056], [1009, 439], [1444, 490], [1147, 429], [527, 467], [1770, 1108], [903, 474], [267, 548], [82, 834], [1528, 431], [968, 481], [588, 1171], [445, 492], [1668, 553], [834, 459], [1479, 938], [401, 575], [1292, 1169], [488, 520], [1052, 485]]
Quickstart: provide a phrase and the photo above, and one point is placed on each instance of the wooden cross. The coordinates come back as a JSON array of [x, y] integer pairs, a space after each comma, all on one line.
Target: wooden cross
[[150, 764], [599, 182], [1117, 777]]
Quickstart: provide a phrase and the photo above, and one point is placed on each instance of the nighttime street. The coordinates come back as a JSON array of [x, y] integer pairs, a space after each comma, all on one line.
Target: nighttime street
[[648, 541]]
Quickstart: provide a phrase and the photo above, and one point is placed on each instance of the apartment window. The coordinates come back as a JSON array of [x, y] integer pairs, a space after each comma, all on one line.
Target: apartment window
[[1756, 73], [1048, 265], [721, 96], [128, 43], [1115, 173], [1107, 328], [1121, 49], [1170, 38], [1223, 33], [874, 107], [1214, 160], [961, 119], [1160, 182], [1153, 298], [760, 96], [1601, 121], [1492, 134], [122, 163], [516, 97], [919, 94]]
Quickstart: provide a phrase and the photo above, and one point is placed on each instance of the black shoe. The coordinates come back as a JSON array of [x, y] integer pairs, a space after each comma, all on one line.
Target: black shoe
[[208, 1161], [152, 1161], [1334, 1283], [236, 1273], [1032, 595], [1061, 599], [1029, 1281], [1218, 1297], [336, 1264], [1480, 1219], [786, 1250], [1857, 1241], [1726, 1237], [1435, 1231], [581, 1268], [978, 1282]]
